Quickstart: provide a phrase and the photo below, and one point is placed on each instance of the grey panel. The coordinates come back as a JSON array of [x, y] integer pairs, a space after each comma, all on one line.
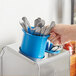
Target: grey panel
[[16, 64], [56, 66], [1, 63]]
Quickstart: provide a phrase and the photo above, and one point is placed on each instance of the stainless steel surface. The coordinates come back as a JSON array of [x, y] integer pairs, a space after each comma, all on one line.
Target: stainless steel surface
[[16, 64], [48, 29], [26, 22], [43, 23], [1, 63], [38, 20], [38, 29], [43, 30], [23, 26], [54, 48]]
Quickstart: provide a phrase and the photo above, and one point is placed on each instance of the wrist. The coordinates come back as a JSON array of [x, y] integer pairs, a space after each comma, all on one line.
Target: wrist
[[72, 32]]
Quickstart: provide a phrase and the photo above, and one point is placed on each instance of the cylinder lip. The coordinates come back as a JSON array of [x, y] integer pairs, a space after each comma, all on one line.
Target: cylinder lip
[[35, 35]]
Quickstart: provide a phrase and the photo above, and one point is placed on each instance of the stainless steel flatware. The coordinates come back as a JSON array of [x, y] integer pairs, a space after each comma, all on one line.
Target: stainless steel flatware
[[27, 24], [41, 23], [43, 30], [38, 20], [56, 48], [23, 26], [39, 28], [47, 31]]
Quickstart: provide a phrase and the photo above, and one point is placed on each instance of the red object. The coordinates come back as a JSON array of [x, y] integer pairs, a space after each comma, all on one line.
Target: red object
[[67, 45]]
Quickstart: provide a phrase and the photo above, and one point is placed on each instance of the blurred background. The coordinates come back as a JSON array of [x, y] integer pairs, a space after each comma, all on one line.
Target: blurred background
[[11, 11], [74, 11]]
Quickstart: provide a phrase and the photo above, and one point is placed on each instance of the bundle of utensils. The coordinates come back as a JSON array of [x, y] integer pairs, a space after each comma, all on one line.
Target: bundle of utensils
[[39, 29], [53, 49]]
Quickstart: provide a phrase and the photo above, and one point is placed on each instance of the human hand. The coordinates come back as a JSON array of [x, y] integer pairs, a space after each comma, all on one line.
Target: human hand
[[60, 34]]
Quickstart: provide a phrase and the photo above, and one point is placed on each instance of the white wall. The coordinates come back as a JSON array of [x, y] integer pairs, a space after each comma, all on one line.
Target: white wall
[[12, 10], [66, 12]]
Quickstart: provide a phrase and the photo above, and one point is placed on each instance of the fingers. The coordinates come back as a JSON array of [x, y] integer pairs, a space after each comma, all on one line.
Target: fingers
[[54, 38], [56, 42]]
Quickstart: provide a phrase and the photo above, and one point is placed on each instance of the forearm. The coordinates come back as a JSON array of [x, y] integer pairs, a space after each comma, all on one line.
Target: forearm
[[66, 33], [72, 32]]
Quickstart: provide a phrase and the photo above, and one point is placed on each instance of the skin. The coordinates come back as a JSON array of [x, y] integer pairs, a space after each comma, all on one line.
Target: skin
[[61, 34]]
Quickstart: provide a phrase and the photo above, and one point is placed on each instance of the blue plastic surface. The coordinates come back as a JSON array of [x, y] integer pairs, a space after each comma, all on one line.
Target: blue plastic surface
[[32, 45], [49, 45], [48, 49]]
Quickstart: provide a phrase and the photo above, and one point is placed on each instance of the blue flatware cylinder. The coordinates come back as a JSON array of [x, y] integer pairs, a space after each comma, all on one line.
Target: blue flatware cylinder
[[33, 46]]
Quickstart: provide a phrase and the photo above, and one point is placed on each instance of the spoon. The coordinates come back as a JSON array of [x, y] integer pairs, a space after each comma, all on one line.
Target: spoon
[[38, 20], [41, 23], [47, 31]]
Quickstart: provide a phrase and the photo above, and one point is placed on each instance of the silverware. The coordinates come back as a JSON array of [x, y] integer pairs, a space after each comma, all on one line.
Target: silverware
[[41, 23], [39, 27], [56, 48], [27, 24], [47, 31], [38, 30], [38, 20], [52, 24], [43, 30], [23, 26], [60, 47]]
